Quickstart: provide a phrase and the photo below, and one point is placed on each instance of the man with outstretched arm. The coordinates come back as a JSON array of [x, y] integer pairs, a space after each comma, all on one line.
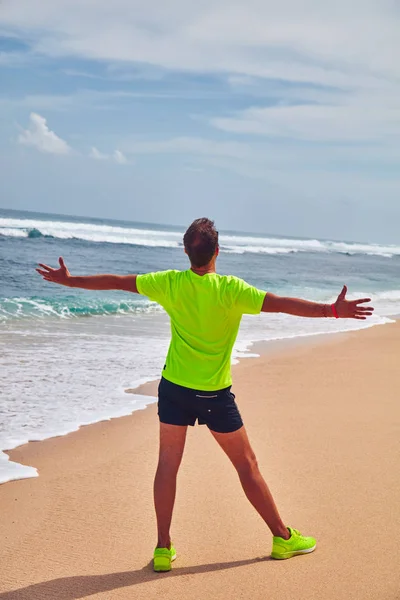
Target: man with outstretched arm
[[205, 310]]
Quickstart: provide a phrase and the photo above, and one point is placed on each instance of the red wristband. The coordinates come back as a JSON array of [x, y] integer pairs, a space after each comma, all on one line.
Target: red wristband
[[334, 311]]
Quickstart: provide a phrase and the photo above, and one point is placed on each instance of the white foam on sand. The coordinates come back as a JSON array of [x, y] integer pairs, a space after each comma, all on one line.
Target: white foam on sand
[[11, 471]]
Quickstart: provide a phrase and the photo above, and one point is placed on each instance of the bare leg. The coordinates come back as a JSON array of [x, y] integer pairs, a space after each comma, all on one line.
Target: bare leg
[[237, 446], [172, 444]]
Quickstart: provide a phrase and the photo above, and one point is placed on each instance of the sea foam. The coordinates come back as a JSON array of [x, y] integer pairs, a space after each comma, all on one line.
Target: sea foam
[[153, 238]]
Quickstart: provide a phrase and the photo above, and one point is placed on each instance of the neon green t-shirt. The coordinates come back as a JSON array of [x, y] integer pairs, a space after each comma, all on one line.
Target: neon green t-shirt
[[205, 313]]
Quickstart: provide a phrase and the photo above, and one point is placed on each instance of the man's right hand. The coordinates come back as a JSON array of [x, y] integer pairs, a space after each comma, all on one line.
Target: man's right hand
[[60, 276]]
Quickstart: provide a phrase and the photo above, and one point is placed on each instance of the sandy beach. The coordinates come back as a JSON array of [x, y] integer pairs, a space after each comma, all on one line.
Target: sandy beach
[[324, 421]]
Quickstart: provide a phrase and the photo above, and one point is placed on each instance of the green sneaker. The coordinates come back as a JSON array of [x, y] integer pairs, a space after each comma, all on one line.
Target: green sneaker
[[296, 544], [163, 558]]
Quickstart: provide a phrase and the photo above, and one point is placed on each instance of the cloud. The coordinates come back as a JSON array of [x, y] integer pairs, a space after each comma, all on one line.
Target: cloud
[[42, 138], [120, 158], [117, 156], [348, 121], [85, 74], [306, 90], [110, 100], [13, 59], [321, 42], [324, 50], [264, 155], [189, 145], [97, 155]]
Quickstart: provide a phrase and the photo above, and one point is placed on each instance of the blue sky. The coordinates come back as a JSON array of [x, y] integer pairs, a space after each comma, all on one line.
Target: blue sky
[[269, 118]]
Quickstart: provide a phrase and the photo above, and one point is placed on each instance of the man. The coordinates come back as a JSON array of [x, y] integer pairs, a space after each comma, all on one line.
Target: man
[[205, 311]]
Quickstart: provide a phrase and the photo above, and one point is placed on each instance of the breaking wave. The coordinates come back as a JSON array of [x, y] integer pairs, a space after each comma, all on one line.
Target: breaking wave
[[69, 307], [234, 244]]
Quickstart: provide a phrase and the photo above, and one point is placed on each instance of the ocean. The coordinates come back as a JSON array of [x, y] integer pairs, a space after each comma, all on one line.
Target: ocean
[[67, 356]]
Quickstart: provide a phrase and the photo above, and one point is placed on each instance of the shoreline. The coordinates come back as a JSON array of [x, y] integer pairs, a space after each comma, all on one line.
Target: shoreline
[[324, 422], [148, 389]]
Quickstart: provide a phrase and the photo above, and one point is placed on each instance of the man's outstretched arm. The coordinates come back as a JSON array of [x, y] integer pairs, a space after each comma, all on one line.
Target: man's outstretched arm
[[62, 276], [342, 308]]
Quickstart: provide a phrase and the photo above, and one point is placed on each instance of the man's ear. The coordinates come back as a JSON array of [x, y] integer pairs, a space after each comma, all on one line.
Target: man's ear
[[217, 251], [184, 249]]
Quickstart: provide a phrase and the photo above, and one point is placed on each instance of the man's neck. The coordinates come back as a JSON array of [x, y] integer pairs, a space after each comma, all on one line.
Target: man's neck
[[210, 268]]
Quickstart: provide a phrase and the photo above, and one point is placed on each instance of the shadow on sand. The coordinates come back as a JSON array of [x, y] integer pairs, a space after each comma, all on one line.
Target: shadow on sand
[[81, 586]]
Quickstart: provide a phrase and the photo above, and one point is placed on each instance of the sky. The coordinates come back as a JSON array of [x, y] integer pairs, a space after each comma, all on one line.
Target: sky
[[273, 117]]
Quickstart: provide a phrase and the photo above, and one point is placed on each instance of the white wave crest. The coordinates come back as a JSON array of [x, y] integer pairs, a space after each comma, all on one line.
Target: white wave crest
[[10, 232], [232, 244], [392, 295], [90, 232], [42, 308]]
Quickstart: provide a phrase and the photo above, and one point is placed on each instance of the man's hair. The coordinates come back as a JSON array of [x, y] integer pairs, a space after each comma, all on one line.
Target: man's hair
[[201, 241]]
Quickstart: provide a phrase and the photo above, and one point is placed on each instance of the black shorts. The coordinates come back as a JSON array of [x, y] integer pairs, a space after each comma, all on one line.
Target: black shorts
[[178, 405]]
